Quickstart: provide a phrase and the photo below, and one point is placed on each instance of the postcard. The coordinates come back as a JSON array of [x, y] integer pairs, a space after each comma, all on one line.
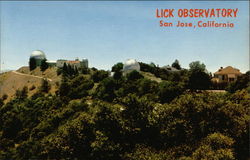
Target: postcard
[[129, 80]]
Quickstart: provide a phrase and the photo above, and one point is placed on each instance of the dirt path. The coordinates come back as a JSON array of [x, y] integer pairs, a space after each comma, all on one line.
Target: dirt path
[[31, 75]]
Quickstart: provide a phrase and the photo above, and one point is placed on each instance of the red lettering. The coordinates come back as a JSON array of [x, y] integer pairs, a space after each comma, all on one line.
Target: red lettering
[[164, 13]]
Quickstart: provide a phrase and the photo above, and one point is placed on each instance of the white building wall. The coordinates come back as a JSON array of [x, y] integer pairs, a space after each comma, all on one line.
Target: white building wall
[[83, 63], [60, 63]]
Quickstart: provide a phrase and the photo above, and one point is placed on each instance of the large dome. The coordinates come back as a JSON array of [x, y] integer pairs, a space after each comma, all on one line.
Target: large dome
[[130, 65], [38, 54]]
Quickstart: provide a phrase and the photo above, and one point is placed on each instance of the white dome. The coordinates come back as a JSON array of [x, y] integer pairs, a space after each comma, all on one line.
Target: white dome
[[130, 65], [38, 54]]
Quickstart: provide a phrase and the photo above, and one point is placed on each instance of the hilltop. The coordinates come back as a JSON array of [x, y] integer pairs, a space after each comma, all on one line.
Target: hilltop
[[14, 80], [154, 113]]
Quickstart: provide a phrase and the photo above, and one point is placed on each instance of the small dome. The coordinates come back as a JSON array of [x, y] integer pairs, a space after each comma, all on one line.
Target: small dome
[[130, 65], [38, 54]]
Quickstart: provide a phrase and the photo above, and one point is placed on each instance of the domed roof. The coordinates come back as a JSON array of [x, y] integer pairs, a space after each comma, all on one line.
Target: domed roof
[[131, 64], [37, 54]]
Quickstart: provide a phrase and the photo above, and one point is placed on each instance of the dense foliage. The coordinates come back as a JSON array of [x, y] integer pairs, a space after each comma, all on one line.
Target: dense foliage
[[176, 64], [67, 70], [44, 65], [126, 117], [242, 82]]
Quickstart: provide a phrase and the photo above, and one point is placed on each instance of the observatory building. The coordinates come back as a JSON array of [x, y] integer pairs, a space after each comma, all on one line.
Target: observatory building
[[228, 74], [73, 63], [130, 65], [38, 56]]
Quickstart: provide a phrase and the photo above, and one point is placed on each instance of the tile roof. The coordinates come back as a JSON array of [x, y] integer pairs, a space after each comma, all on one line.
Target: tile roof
[[228, 70], [73, 62]]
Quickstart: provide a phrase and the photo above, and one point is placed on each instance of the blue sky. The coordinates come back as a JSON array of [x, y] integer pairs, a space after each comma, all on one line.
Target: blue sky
[[107, 32]]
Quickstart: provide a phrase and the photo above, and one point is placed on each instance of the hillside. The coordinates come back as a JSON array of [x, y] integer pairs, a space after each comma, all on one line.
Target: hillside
[[14, 80], [95, 116], [151, 114], [48, 73], [150, 76]]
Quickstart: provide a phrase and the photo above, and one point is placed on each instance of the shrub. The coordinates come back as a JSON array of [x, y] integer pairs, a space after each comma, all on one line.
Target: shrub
[[98, 76]]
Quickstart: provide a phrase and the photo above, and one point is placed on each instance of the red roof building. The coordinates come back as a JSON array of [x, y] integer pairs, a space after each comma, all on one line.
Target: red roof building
[[228, 74]]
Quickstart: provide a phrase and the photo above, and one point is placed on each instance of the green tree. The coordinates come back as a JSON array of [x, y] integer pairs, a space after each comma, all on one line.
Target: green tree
[[143, 152], [72, 140], [176, 64], [11, 126], [64, 88], [146, 86], [169, 90], [70, 70], [65, 69], [85, 70], [134, 75], [1, 102], [22, 94], [79, 87], [137, 113], [45, 87], [44, 65], [197, 66], [215, 146], [117, 67], [148, 67], [59, 71], [152, 64], [117, 75], [199, 79], [242, 82], [99, 75], [106, 89], [4, 97], [76, 71], [32, 63]]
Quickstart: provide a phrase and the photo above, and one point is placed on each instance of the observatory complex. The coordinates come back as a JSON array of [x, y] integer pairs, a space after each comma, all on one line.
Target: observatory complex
[[39, 56]]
